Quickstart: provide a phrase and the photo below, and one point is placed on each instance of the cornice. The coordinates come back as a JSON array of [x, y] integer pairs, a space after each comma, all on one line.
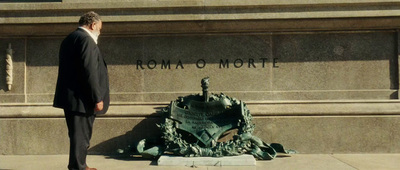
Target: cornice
[[195, 10]]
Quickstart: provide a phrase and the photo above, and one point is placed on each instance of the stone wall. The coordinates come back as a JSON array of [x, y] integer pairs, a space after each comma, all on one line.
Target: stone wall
[[318, 76], [250, 66]]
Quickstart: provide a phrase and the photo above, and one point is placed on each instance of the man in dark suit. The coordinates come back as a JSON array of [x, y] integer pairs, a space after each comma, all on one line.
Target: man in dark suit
[[82, 86]]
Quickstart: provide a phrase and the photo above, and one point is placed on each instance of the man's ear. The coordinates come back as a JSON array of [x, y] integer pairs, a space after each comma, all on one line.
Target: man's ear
[[91, 26]]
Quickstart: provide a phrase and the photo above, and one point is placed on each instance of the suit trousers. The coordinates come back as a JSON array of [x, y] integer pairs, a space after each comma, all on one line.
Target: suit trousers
[[80, 128]]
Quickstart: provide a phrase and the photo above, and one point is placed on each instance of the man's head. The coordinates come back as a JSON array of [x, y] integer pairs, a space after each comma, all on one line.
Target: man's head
[[92, 22]]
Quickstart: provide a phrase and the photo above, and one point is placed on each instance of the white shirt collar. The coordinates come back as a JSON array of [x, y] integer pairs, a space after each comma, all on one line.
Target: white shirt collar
[[94, 37]]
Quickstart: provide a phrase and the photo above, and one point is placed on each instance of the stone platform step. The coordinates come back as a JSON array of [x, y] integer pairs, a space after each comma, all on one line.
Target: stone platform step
[[296, 161], [242, 160], [319, 127]]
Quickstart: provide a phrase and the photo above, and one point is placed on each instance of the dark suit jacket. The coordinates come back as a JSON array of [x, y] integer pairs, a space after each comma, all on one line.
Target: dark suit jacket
[[82, 75]]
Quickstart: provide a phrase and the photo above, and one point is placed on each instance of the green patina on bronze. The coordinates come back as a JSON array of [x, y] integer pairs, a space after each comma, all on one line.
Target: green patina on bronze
[[194, 125], [206, 121]]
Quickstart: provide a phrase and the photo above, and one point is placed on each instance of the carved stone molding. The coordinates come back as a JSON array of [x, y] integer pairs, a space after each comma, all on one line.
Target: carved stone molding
[[9, 67]]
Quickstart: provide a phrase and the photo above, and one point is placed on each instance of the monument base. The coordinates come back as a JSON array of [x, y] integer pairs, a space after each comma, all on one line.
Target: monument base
[[242, 160]]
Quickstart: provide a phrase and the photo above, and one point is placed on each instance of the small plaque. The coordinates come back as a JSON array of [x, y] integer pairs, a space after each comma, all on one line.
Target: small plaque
[[207, 121]]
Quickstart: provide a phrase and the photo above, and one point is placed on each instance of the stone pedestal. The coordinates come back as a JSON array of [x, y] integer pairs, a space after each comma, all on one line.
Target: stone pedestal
[[318, 76], [242, 160]]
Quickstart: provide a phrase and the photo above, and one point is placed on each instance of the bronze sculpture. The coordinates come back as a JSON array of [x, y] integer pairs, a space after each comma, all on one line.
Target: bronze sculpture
[[194, 125]]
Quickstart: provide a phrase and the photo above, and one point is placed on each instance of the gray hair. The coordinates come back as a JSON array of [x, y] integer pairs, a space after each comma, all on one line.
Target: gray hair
[[89, 18]]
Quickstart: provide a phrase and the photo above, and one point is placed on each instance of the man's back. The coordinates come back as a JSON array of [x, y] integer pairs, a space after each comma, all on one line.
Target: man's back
[[80, 71]]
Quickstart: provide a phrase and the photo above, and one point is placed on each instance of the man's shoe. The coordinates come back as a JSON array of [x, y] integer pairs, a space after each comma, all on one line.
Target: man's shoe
[[87, 168]]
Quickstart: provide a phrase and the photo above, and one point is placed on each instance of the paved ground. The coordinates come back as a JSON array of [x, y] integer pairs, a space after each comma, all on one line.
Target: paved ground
[[296, 162]]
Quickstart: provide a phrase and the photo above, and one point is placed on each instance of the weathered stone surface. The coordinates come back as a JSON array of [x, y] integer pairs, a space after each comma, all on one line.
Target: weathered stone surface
[[247, 66], [334, 61], [316, 51], [198, 10], [266, 67], [50, 136], [315, 134], [42, 65], [16, 95], [30, 136], [347, 134], [242, 160]]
